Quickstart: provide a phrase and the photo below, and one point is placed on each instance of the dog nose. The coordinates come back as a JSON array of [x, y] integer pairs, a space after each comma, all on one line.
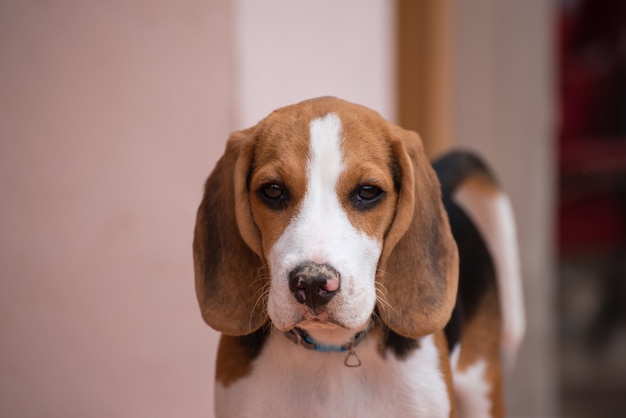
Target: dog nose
[[314, 284]]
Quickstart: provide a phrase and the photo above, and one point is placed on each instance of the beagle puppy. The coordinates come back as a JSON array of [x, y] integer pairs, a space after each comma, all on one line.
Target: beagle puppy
[[351, 279]]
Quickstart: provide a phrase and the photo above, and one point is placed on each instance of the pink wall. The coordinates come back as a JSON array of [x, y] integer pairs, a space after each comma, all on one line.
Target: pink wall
[[111, 116], [287, 51], [504, 107]]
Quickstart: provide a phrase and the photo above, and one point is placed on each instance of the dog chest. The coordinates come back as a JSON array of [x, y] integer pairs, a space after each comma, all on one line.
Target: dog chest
[[287, 380]]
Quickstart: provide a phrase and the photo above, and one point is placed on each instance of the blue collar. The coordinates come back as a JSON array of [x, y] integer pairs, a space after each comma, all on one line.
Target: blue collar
[[301, 337]]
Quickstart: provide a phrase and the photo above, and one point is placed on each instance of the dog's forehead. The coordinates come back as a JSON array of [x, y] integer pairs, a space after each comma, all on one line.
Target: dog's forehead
[[287, 131]]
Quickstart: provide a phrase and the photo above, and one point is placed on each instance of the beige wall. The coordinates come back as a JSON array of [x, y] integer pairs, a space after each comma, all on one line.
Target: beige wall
[[111, 116]]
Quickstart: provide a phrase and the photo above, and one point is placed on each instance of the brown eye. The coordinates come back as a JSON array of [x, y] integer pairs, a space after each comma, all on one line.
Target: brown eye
[[272, 191], [274, 195], [369, 192], [366, 196]]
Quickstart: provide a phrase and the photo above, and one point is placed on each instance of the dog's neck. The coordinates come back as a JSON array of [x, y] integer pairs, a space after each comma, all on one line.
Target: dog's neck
[[326, 340]]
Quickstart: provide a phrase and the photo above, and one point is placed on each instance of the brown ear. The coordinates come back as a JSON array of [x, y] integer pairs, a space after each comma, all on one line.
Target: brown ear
[[229, 275], [419, 264]]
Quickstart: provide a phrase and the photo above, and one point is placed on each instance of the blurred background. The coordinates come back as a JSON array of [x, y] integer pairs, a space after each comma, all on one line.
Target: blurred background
[[113, 113]]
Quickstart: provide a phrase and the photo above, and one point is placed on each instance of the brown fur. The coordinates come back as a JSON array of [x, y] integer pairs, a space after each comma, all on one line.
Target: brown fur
[[228, 273], [481, 341], [419, 250], [233, 363]]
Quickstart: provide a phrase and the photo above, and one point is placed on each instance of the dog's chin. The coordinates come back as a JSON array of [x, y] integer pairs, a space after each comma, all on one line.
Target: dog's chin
[[322, 320], [330, 333], [319, 324], [310, 324]]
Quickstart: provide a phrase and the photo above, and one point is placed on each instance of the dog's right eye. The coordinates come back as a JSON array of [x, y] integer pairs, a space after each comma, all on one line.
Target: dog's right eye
[[274, 195]]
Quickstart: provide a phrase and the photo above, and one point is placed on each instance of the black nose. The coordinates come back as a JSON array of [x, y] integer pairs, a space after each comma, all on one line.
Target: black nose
[[314, 284]]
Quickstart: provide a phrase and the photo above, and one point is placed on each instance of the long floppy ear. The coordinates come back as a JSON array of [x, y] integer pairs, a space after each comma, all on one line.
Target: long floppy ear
[[419, 263], [229, 273]]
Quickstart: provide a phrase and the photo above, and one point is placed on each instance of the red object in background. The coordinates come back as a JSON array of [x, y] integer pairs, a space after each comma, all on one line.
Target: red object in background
[[592, 140], [595, 223], [592, 198]]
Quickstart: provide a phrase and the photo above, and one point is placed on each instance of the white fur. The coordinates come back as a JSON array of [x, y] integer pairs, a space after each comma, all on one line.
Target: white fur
[[290, 381], [322, 233], [454, 356], [493, 215], [472, 391]]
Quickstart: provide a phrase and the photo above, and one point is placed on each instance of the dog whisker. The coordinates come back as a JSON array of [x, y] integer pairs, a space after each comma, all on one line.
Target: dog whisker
[[381, 297], [260, 274], [260, 300]]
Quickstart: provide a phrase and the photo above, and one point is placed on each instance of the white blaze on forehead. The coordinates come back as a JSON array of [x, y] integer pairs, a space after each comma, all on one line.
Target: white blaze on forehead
[[322, 220], [322, 233], [325, 163]]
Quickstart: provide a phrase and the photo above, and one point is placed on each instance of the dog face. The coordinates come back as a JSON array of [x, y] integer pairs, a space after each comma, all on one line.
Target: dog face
[[322, 215], [317, 215]]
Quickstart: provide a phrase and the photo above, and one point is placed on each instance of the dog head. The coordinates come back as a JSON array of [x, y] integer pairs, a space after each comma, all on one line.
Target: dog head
[[320, 215]]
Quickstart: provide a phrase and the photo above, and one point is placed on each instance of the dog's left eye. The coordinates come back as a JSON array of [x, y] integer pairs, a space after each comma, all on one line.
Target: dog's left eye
[[274, 195], [366, 196]]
